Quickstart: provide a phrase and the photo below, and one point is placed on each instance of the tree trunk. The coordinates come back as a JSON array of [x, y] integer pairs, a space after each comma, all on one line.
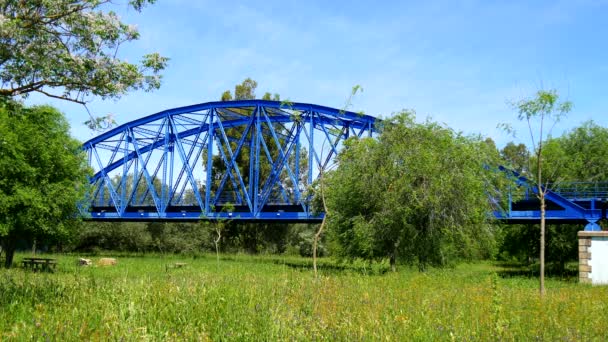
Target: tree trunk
[[217, 245], [8, 244], [421, 264], [314, 246], [393, 262], [217, 252], [542, 244], [320, 231]]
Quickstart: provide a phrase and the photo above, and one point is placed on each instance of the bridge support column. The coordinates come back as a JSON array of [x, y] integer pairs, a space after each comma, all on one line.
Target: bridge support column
[[593, 257], [592, 226]]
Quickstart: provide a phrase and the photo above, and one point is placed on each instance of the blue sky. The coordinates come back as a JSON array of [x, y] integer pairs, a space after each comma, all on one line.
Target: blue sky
[[458, 62]]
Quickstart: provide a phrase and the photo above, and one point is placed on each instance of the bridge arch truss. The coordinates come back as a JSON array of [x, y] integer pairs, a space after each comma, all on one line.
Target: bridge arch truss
[[245, 160]]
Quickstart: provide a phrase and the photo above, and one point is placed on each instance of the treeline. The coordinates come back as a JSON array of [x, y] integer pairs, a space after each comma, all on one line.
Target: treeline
[[192, 238]]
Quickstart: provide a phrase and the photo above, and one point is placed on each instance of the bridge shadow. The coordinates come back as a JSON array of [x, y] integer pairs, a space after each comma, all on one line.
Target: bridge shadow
[[325, 265], [567, 272]]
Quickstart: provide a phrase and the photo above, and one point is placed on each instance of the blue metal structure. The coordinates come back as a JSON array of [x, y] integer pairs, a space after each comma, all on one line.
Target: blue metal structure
[[565, 202], [245, 160], [254, 160]]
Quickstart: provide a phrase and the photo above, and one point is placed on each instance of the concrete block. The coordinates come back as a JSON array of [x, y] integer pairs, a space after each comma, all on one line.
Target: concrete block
[[584, 268], [584, 242], [588, 234]]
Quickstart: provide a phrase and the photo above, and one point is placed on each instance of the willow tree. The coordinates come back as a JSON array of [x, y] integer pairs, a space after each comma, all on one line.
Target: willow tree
[[416, 194]]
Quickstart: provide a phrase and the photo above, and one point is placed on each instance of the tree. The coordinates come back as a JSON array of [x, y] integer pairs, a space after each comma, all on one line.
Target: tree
[[416, 194], [68, 49], [43, 174], [576, 156], [323, 170], [219, 226], [517, 157], [538, 112], [579, 155], [317, 236], [252, 237]]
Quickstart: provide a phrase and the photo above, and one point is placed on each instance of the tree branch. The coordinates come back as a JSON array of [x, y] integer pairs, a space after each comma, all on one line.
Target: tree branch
[[61, 97], [23, 89]]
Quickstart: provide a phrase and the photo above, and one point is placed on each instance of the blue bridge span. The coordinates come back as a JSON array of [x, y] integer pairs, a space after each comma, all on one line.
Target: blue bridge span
[[256, 160], [244, 160], [572, 202]]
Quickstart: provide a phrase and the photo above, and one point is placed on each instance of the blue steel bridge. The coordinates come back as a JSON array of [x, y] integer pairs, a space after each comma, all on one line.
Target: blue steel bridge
[[255, 160], [251, 160]]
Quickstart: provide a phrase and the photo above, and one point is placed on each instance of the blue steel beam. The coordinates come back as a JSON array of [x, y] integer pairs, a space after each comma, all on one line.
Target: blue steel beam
[[231, 164], [270, 130], [366, 120], [571, 209], [182, 135], [282, 154], [188, 170]]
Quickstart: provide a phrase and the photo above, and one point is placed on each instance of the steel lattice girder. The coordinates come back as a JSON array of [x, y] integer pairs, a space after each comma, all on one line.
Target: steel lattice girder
[[245, 160], [565, 207]]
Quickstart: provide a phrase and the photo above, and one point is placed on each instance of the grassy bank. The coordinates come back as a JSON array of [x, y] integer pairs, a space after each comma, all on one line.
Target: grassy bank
[[249, 298]]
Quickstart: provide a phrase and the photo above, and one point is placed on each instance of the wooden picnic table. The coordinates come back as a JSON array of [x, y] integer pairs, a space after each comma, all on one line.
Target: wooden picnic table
[[39, 264]]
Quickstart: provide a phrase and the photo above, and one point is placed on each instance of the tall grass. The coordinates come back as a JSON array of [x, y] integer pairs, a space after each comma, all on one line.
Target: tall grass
[[262, 298]]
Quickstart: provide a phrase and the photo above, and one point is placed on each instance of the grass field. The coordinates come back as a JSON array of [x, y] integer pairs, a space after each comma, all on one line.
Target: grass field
[[265, 298]]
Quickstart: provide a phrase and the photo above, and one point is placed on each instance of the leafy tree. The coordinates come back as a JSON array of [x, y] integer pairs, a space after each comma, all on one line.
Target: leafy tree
[[520, 243], [164, 237], [415, 194], [321, 191], [258, 236], [117, 236], [580, 155], [517, 157], [43, 173], [300, 240], [218, 227], [68, 49], [576, 156], [244, 91], [540, 112]]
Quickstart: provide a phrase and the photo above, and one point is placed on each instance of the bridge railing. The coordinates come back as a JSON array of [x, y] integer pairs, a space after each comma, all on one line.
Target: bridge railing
[[581, 190], [569, 190]]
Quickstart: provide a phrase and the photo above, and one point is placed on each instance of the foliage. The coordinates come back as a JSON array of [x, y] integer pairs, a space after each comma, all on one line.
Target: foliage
[[520, 243], [258, 237], [516, 157], [539, 112], [576, 156], [185, 238], [300, 240], [265, 299], [579, 155], [43, 174], [323, 171], [192, 238], [417, 193], [68, 49]]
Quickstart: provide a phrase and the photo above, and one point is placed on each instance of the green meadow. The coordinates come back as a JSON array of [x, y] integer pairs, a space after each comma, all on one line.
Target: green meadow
[[276, 298]]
